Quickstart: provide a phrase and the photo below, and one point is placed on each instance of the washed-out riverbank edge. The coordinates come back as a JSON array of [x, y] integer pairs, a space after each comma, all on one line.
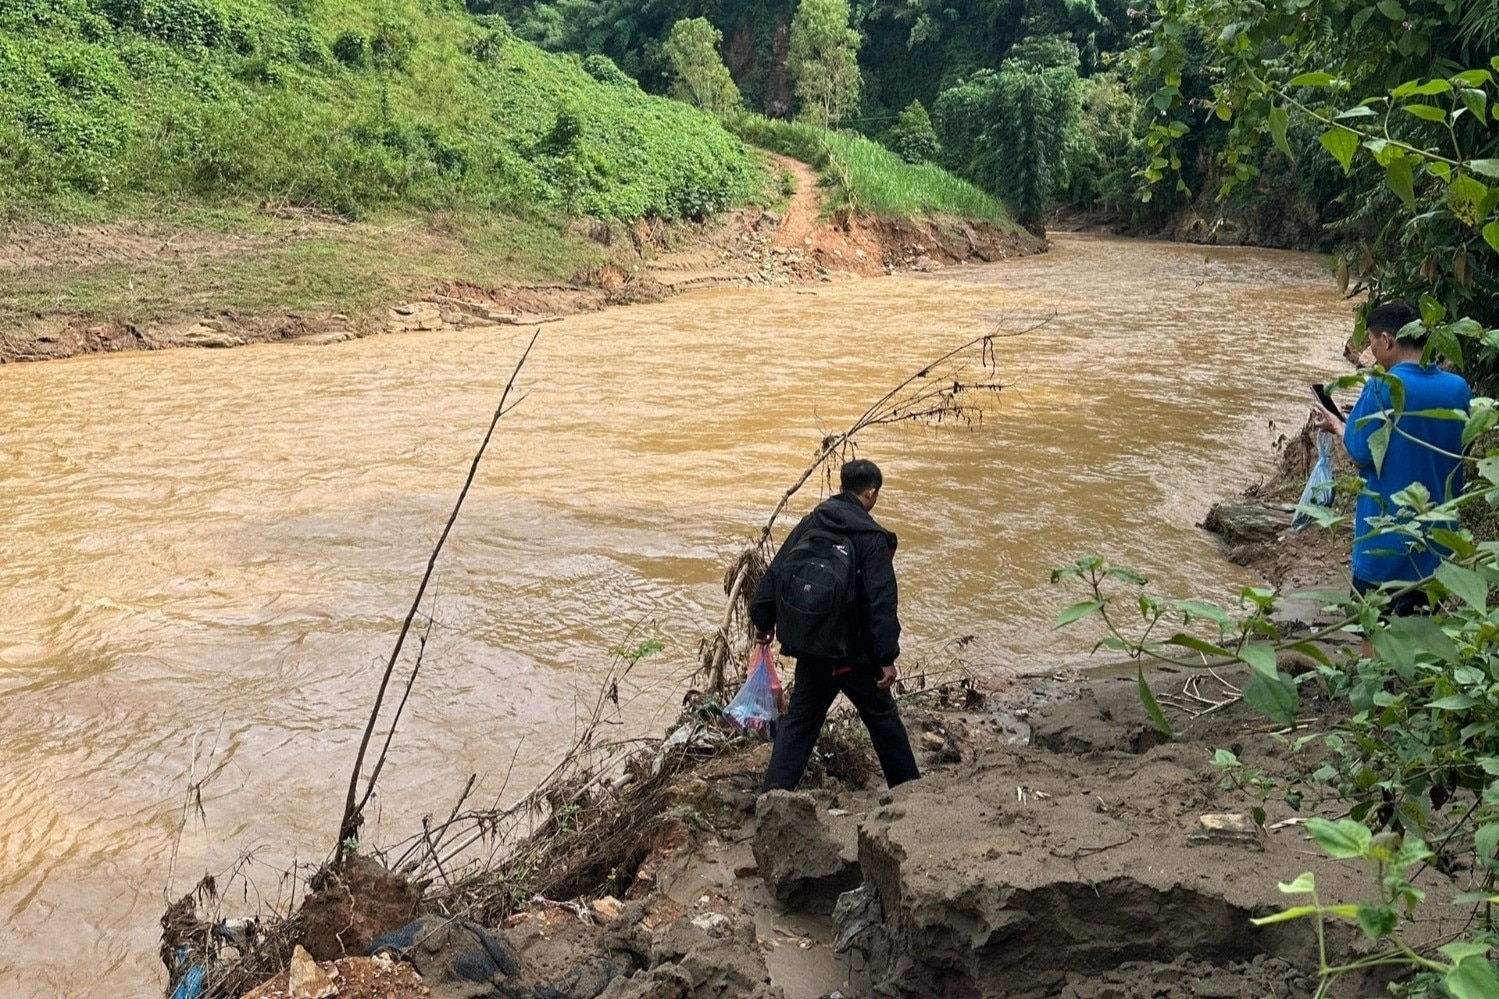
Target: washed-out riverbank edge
[[640, 263]]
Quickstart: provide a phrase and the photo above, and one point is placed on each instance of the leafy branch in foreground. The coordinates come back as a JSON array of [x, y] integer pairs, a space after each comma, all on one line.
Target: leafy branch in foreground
[[1466, 972], [1221, 638]]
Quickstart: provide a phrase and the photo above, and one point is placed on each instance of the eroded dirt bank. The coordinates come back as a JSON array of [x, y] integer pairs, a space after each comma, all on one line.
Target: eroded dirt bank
[[648, 262], [1075, 863]]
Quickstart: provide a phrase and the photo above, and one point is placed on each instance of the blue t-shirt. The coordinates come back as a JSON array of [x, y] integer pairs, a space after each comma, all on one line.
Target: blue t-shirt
[[1422, 449]]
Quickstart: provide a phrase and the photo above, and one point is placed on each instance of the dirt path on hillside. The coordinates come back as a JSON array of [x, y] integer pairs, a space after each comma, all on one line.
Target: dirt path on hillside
[[803, 214]]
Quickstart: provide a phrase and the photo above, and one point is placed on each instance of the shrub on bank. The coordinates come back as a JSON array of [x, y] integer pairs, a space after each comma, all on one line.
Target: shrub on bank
[[336, 105]]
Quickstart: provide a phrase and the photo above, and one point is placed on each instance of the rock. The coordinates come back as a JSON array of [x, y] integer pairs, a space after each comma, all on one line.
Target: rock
[[932, 741], [1245, 521], [804, 858], [205, 336], [606, 908], [1227, 828], [306, 980]]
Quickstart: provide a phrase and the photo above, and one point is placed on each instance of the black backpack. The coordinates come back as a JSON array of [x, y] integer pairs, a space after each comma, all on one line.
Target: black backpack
[[815, 593]]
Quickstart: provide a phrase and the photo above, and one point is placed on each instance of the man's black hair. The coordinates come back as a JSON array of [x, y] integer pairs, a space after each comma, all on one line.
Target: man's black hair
[[1391, 318], [858, 475]]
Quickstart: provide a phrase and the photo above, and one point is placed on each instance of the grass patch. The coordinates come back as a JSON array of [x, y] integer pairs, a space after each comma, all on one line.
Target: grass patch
[[213, 262], [869, 178], [350, 107]]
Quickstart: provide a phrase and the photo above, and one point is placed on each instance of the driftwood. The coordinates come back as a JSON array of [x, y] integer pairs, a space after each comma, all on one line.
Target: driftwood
[[353, 814]]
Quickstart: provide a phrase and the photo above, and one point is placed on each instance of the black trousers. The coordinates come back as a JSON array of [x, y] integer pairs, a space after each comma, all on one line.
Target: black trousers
[[816, 689]]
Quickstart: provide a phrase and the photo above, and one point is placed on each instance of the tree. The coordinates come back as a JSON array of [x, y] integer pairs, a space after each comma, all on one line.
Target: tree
[[1010, 132], [698, 75], [1400, 96], [822, 58], [912, 138]]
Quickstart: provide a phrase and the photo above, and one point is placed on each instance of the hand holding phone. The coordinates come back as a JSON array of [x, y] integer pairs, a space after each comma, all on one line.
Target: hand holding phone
[[1320, 391]]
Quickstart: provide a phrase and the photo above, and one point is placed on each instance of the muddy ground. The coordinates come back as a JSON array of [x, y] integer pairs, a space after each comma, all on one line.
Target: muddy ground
[[1055, 847], [750, 247]]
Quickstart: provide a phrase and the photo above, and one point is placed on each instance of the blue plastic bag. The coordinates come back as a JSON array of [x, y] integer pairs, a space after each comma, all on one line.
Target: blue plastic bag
[[1318, 491], [758, 705]]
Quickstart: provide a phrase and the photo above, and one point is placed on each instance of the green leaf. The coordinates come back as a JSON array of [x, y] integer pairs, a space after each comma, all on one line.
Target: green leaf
[[1274, 697], [1468, 189], [1461, 950], [1361, 111], [1415, 88], [1469, 586], [1377, 920], [1432, 311], [1454, 702], [1278, 121], [1341, 840], [1379, 445], [1491, 235], [1077, 612], [1486, 841], [1472, 978], [1472, 78], [1489, 168], [1342, 143], [1474, 897], [1425, 635], [1313, 80], [1425, 111], [1312, 652], [1477, 103], [1152, 708], [1198, 645], [1304, 885], [1391, 9], [1286, 915], [1480, 422], [1190, 609], [1398, 176]]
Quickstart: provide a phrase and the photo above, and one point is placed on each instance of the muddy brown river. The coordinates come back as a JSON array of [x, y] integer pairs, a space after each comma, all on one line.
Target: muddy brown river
[[213, 551]]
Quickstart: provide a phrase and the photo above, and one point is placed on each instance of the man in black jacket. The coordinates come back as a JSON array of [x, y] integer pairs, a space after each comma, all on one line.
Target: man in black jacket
[[874, 640]]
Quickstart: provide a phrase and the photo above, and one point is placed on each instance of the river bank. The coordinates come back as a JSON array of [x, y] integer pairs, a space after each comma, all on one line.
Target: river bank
[[1089, 858], [279, 274]]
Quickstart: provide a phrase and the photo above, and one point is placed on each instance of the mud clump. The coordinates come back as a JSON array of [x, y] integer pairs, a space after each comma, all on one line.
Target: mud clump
[[705, 956], [352, 905], [804, 861]]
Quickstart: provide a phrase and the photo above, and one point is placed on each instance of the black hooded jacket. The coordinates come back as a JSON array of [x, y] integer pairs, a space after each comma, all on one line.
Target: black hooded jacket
[[876, 639]]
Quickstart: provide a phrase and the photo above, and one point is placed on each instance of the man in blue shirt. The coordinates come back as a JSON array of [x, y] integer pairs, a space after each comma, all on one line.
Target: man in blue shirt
[[1425, 450]]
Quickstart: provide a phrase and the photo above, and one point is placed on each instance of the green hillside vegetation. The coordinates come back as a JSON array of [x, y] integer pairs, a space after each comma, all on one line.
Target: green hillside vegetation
[[867, 177], [335, 104]]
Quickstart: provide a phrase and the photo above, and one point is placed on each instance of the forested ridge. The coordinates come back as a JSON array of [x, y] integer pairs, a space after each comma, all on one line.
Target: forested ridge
[[1142, 111]]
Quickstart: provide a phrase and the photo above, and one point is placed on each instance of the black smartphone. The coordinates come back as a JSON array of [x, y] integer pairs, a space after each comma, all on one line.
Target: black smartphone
[[1320, 391]]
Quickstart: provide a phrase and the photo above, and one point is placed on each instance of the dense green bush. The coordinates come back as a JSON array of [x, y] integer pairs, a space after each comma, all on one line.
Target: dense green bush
[[340, 106], [912, 137], [351, 48]]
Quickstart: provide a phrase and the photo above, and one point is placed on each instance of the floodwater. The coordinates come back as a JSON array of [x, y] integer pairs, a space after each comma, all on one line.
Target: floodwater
[[205, 556]]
